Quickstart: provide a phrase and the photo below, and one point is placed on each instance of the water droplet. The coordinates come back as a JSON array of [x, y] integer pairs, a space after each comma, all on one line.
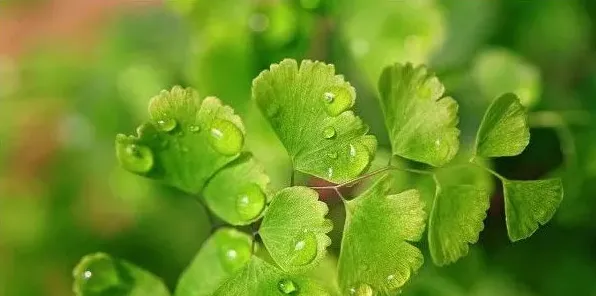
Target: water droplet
[[194, 128], [329, 172], [329, 132], [99, 274], [135, 158], [361, 290], [395, 281], [251, 202], [328, 96], [226, 138], [332, 155], [234, 253], [304, 249], [166, 125], [358, 158], [342, 99], [287, 287]]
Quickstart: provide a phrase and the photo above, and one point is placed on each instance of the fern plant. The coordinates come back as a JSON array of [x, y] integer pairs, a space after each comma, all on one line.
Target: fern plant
[[197, 145]]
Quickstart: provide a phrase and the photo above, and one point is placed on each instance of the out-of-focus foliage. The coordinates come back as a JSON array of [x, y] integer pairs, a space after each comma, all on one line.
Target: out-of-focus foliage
[[62, 194]]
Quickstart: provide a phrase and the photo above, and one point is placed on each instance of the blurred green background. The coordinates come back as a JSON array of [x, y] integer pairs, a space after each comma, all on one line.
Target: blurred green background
[[73, 74]]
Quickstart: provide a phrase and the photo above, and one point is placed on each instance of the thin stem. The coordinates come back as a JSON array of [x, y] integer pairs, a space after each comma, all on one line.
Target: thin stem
[[292, 176], [209, 214], [494, 173]]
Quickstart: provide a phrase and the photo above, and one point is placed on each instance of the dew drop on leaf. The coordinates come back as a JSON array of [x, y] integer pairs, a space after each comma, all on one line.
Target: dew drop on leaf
[[194, 128], [328, 97], [99, 275], [358, 157], [361, 290], [250, 203], [287, 287], [225, 137], [137, 158], [166, 125], [397, 280], [234, 254], [329, 132], [337, 100], [304, 249]]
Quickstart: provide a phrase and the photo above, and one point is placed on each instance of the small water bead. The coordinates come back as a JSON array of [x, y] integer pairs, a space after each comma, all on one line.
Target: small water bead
[[251, 202], [166, 125], [234, 254], [287, 287], [328, 97], [361, 290], [135, 158], [194, 128], [225, 137], [98, 274], [359, 157], [395, 281], [304, 249], [342, 98], [329, 132]]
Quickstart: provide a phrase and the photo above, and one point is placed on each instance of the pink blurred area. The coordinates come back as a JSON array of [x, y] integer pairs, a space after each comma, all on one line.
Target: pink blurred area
[[73, 22]]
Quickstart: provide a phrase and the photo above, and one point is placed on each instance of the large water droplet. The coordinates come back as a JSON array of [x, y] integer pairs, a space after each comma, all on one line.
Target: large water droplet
[[304, 249], [361, 290], [166, 125], [341, 99], [194, 128], [251, 202], [225, 137], [287, 287], [135, 158], [329, 132], [98, 274], [234, 253]]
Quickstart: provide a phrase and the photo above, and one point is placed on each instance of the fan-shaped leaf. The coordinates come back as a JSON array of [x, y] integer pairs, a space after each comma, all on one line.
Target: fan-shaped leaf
[[422, 124], [186, 141], [308, 107], [238, 193], [529, 204], [504, 129], [294, 228], [376, 254], [456, 220]]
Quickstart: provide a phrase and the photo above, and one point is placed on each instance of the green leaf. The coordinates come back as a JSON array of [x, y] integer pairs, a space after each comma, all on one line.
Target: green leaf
[[101, 275], [224, 254], [422, 124], [238, 193], [262, 278], [308, 108], [186, 141], [375, 252], [504, 129], [456, 220], [529, 204], [294, 228]]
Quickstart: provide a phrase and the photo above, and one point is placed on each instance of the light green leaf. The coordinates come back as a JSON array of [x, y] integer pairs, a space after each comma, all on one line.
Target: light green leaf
[[375, 252], [529, 204], [263, 279], [99, 275], [186, 141], [504, 129], [422, 124], [456, 220], [308, 107], [224, 254], [238, 193], [294, 228]]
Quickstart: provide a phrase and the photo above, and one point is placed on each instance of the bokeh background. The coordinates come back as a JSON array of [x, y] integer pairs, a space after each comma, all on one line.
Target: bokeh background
[[75, 73]]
